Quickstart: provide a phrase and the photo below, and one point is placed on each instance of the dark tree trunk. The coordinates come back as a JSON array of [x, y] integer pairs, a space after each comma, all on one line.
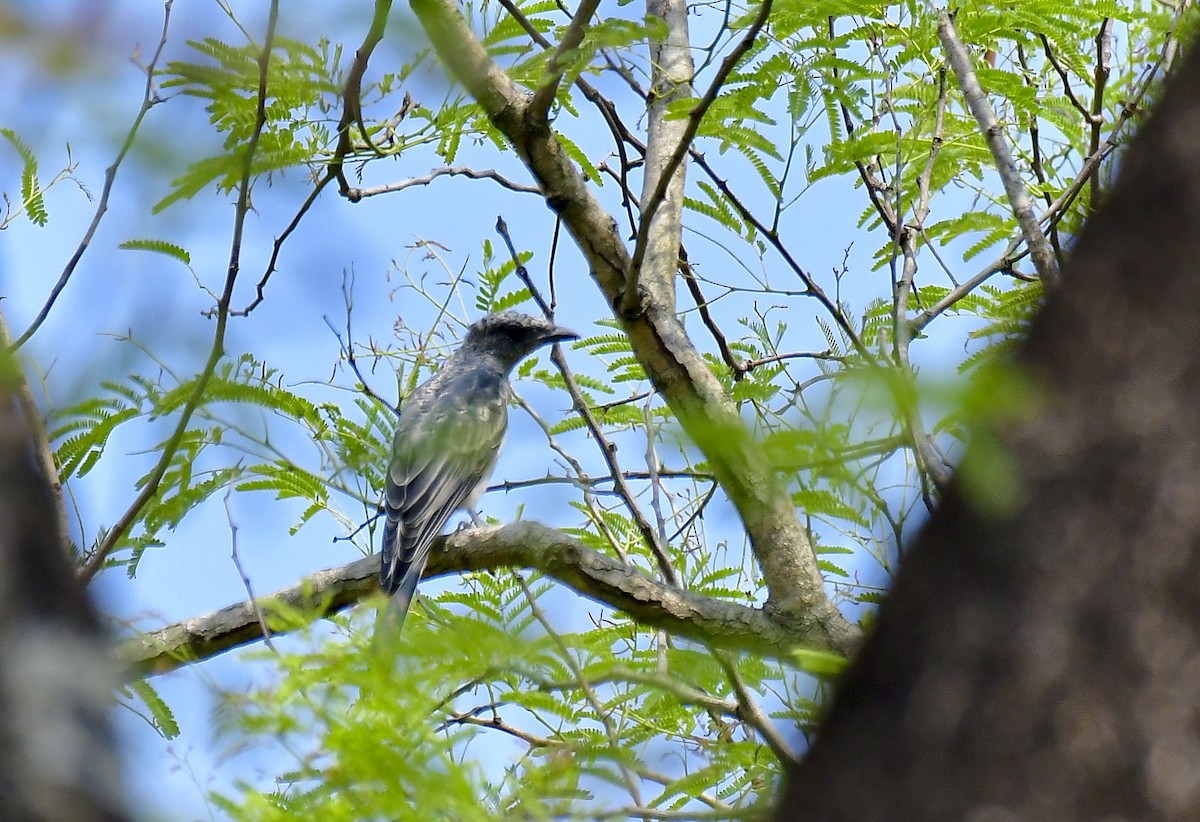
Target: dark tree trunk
[[1039, 655], [57, 760]]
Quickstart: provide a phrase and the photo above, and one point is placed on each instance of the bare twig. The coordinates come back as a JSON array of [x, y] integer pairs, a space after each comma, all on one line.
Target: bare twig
[[150, 99], [237, 563], [693, 287], [356, 194], [347, 347], [277, 247], [1064, 76], [592, 481], [498, 724]]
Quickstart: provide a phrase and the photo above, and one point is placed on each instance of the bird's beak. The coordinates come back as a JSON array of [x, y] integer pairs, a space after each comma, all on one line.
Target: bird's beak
[[559, 334]]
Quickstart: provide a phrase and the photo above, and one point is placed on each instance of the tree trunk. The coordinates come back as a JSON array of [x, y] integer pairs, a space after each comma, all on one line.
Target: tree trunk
[[57, 759]]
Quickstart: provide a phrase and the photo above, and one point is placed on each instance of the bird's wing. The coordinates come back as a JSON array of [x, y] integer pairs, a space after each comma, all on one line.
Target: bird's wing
[[446, 444]]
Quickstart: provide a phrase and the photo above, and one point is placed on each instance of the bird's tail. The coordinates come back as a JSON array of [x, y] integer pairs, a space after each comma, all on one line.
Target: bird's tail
[[391, 622]]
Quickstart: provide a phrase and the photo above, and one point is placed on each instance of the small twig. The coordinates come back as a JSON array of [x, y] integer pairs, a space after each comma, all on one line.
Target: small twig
[[1001, 263], [521, 271], [347, 347], [150, 98], [356, 194], [652, 468], [746, 366], [496, 723], [811, 288], [749, 711], [696, 514], [553, 257], [693, 287], [591, 482], [589, 498], [1103, 67], [365, 524], [1064, 76], [237, 563], [277, 248], [960, 61], [1035, 146]]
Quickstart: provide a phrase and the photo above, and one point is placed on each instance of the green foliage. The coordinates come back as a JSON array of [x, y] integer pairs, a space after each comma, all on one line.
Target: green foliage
[[32, 205], [379, 737], [488, 298], [302, 88], [81, 434], [158, 715]]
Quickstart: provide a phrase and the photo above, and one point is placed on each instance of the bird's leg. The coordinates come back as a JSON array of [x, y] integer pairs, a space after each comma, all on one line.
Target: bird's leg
[[476, 522]]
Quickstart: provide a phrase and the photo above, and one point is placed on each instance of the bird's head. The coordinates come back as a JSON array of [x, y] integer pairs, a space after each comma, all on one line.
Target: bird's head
[[511, 336]]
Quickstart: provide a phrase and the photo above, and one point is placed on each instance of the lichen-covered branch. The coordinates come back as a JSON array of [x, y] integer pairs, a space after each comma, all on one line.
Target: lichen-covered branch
[[523, 545], [1014, 186]]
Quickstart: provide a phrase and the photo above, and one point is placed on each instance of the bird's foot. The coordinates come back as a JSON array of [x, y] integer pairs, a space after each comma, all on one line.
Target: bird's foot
[[476, 522]]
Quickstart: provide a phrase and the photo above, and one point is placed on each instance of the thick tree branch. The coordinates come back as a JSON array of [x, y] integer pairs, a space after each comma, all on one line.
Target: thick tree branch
[[524, 545], [679, 373], [572, 37], [656, 255]]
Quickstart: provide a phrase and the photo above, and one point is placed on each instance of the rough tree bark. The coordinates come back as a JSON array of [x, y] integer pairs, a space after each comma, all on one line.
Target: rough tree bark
[[57, 758], [1041, 660]]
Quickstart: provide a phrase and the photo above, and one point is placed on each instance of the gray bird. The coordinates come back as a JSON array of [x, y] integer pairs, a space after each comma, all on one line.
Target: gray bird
[[446, 444]]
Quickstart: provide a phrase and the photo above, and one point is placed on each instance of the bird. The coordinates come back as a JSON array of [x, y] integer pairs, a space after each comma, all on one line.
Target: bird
[[447, 440]]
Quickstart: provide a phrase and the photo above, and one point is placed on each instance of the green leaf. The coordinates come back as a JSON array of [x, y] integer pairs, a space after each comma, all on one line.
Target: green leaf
[[817, 662], [163, 719], [32, 203], [159, 247]]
